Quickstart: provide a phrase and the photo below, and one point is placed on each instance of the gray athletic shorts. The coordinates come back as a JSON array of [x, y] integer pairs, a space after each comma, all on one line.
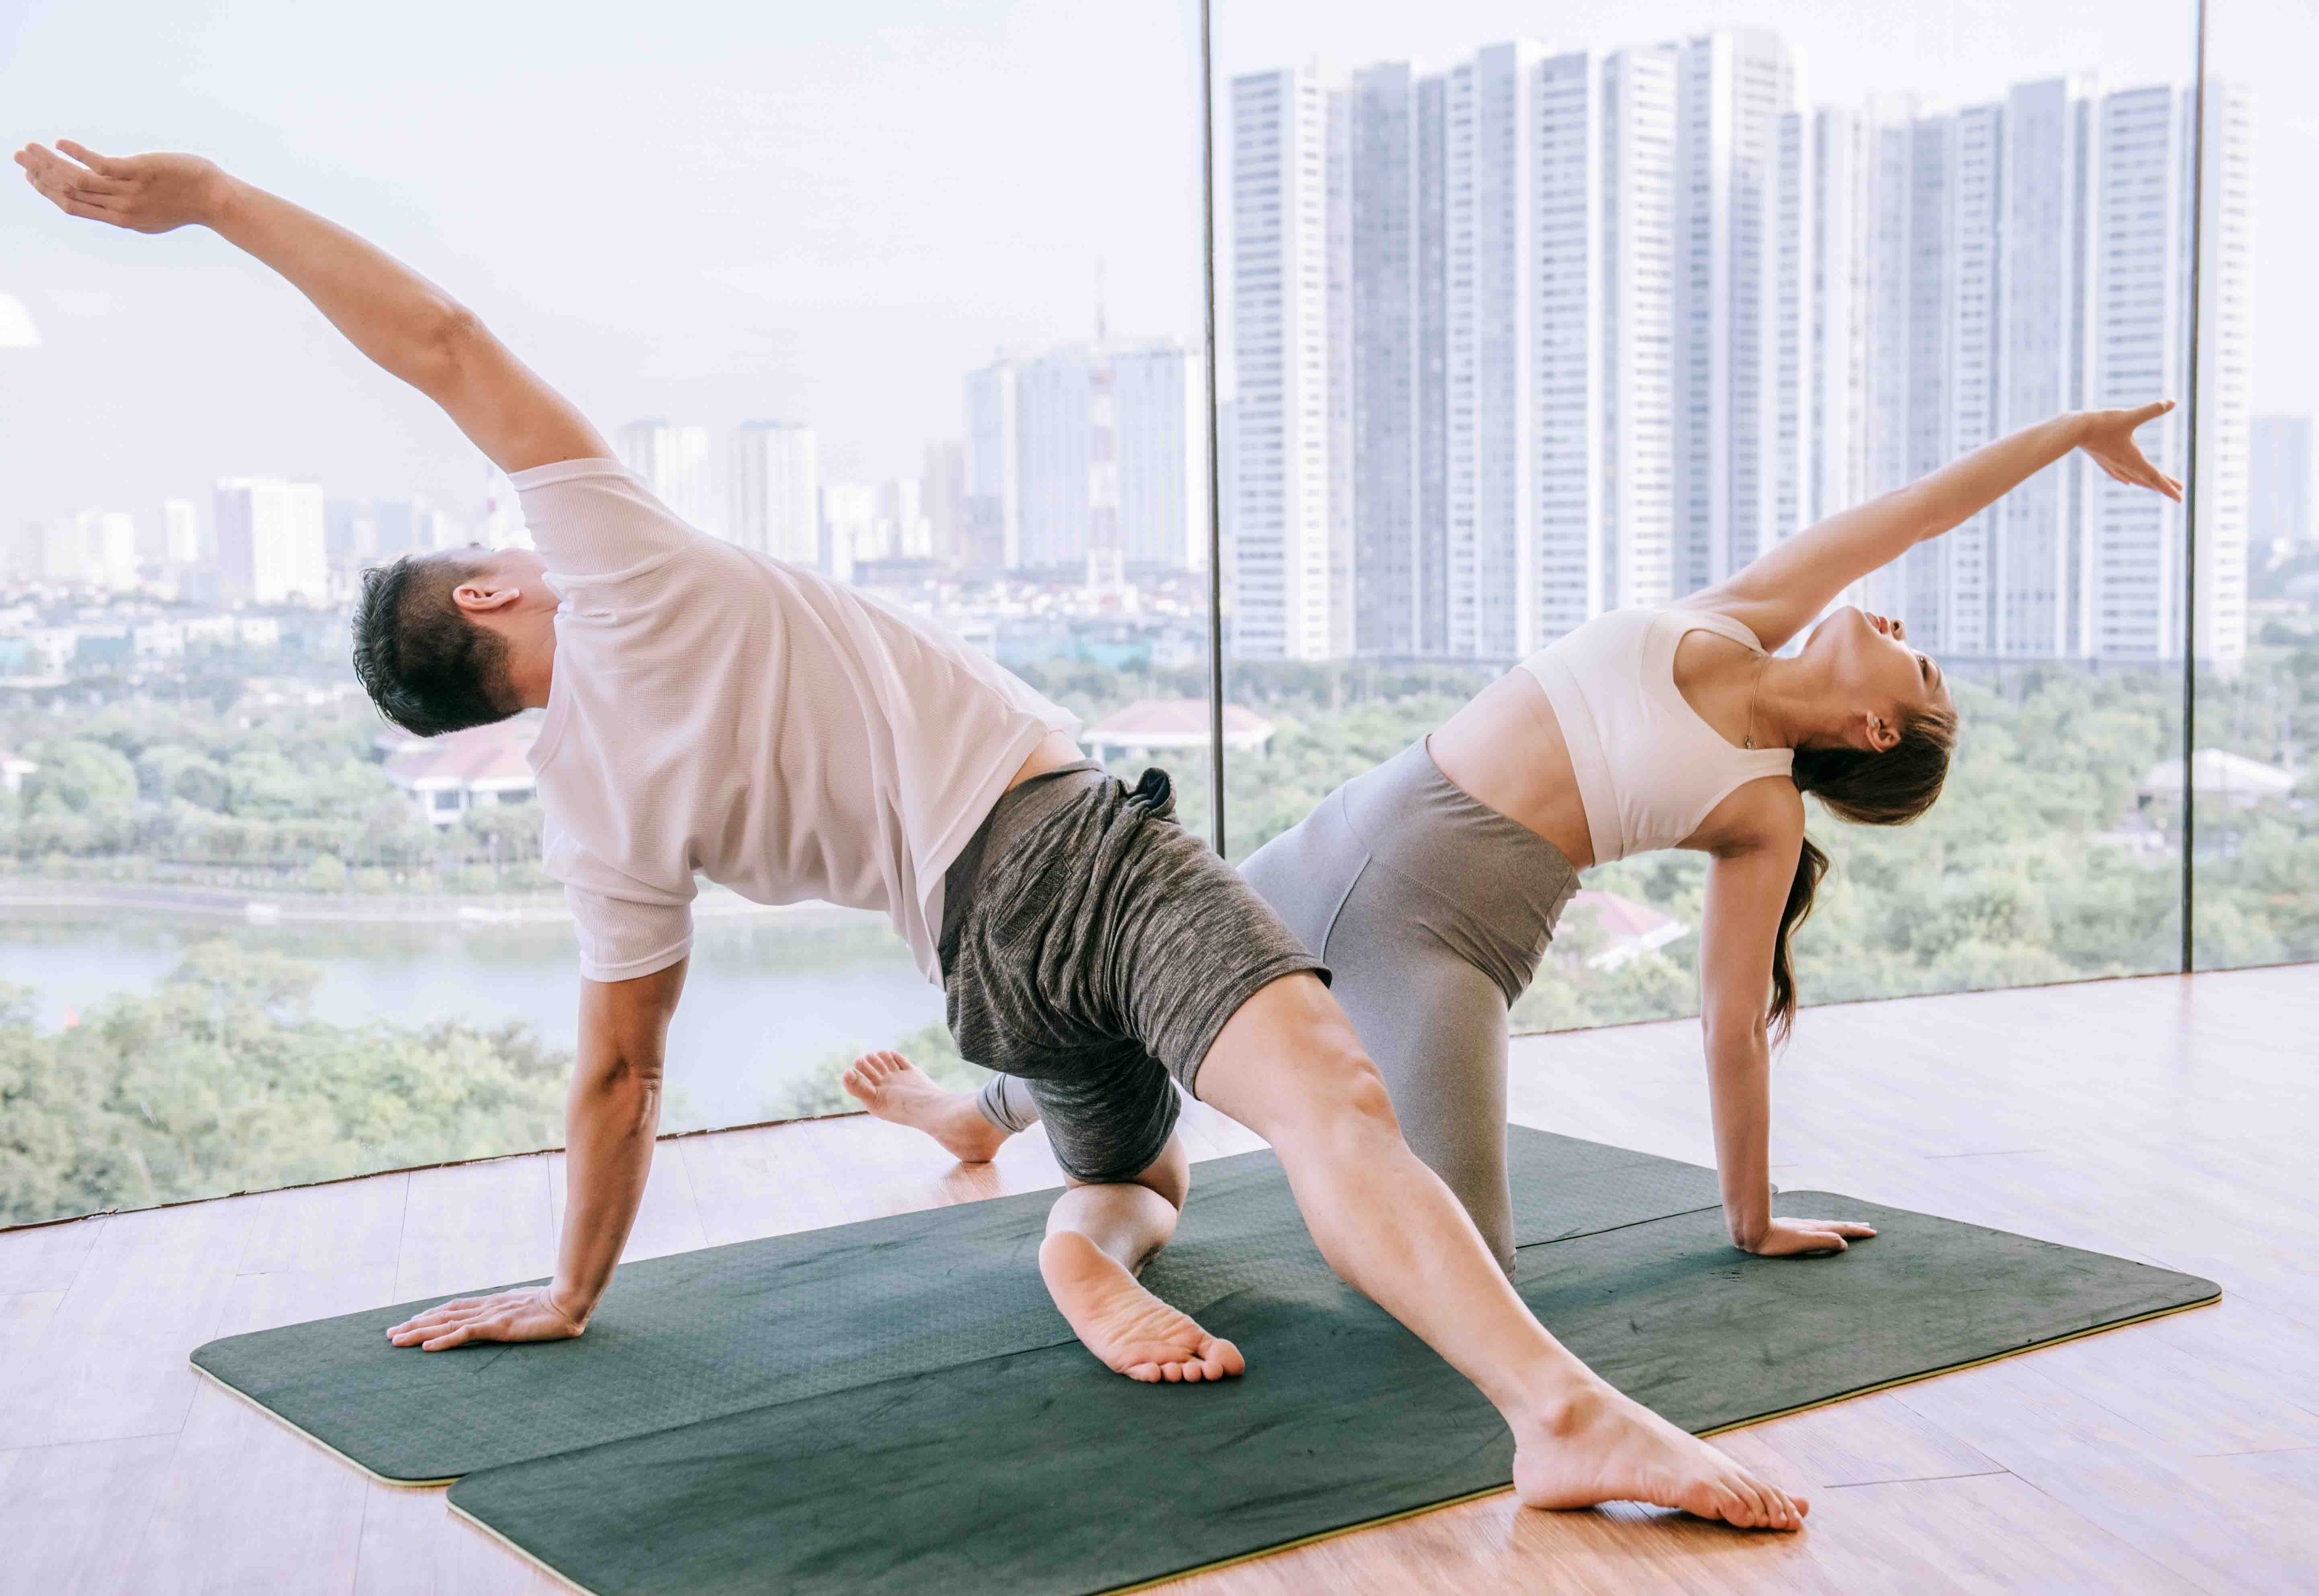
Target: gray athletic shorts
[[1093, 948], [1433, 911]]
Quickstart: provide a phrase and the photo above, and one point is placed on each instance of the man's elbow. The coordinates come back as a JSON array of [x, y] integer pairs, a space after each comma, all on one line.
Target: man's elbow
[[448, 346]]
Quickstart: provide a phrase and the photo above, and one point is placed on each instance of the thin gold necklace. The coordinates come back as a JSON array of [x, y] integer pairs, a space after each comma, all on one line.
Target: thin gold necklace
[[1749, 740]]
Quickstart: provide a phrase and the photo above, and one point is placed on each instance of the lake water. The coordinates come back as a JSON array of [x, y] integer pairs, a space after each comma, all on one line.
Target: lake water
[[765, 1001]]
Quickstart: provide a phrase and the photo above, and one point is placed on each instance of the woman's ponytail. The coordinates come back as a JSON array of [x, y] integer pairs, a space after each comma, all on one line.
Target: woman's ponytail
[[1888, 788]]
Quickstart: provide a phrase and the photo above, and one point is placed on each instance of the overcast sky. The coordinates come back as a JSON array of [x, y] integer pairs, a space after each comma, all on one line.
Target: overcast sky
[[806, 209]]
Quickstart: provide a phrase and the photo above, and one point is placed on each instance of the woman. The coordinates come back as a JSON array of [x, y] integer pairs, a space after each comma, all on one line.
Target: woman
[[1431, 886]]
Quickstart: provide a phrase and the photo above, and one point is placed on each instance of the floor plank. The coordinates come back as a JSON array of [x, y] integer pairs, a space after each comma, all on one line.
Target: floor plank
[[70, 1515], [111, 1359]]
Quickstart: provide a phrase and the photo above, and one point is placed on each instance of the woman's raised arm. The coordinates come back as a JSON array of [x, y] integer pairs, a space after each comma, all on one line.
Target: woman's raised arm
[[1781, 592]]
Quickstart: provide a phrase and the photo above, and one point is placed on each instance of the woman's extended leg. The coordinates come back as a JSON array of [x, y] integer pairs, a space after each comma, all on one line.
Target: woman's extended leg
[[1288, 1066], [1099, 1237]]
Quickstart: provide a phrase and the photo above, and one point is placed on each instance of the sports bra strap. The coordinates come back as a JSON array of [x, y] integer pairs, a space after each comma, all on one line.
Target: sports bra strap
[[1721, 625]]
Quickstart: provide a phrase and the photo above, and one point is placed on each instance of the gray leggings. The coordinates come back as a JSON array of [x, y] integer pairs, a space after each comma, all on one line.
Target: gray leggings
[[1432, 911]]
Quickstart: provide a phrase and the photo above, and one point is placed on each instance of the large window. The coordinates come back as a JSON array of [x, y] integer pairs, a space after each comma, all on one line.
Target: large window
[[908, 294], [1520, 318], [1526, 324], [2254, 847]]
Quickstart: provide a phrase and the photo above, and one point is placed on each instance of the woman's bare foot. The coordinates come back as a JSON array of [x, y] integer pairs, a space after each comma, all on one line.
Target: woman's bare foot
[[1132, 1331], [894, 1089], [1599, 1446]]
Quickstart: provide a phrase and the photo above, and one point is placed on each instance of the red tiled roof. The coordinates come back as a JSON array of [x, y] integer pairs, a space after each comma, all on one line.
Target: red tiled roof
[[1620, 917], [1174, 717], [493, 752]]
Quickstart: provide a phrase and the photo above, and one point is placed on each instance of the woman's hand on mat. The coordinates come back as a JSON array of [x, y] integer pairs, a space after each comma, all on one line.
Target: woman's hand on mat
[[146, 193], [1803, 1237], [2107, 435], [528, 1313]]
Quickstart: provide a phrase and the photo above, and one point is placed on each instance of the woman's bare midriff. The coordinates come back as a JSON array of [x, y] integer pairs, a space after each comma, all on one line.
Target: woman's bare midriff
[[1505, 749]]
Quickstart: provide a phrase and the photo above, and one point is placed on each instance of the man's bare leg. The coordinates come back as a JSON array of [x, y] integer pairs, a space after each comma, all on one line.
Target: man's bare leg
[[1098, 1239], [1289, 1067], [894, 1089]]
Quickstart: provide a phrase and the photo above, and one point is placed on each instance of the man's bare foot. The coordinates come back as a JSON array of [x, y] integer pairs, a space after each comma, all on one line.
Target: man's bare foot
[[1132, 1331], [894, 1089], [1599, 1446]]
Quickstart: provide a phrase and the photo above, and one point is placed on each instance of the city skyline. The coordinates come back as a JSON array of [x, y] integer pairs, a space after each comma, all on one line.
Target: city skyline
[[826, 216], [1527, 336]]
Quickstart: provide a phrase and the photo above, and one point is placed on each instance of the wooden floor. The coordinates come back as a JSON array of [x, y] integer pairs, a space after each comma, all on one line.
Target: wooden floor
[[2170, 1120]]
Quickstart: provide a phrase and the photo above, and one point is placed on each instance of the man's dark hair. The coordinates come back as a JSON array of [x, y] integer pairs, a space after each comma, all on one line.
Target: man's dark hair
[[428, 668]]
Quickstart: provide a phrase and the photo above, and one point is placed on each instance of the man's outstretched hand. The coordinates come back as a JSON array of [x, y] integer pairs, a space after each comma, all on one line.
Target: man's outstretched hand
[[528, 1313], [146, 193]]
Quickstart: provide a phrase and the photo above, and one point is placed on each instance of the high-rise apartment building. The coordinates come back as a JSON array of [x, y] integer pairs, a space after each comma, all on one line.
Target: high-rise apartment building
[[1086, 461], [1535, 335], [1639, 325], [1733, 88], [181, 533], [673, 463], [2280, 483], [271, 541], [773, 477], [1288, 131], [2143, 193], [943, 476], [849, 527]]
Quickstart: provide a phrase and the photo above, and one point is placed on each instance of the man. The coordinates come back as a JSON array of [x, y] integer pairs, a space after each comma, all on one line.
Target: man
[[712, 710]]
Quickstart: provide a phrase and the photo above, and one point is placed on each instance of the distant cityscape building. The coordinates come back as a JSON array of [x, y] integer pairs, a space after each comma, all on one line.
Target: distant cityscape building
[[1533, 334], [1089, 460], [775, 482], [943, 496], [181, 533], [2281, 483], [673, 462], [849, 527], [271, 541]]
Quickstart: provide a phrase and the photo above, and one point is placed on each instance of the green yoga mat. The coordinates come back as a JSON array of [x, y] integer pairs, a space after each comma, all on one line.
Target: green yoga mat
[[700, 1335], [962, 1449]]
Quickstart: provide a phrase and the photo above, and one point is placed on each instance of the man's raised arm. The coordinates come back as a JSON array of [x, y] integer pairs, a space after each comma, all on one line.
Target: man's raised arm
[[390, 312]]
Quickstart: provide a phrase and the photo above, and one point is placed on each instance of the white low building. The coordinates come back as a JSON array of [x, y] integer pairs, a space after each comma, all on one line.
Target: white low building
[[1629, 929], [1152, 728], [446, 775], [12, 771], [2218, 776]]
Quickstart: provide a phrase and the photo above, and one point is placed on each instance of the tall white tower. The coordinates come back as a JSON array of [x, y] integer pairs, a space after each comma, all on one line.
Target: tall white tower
[[673, 463], [1284, 162], [774, 476], [271, 541]]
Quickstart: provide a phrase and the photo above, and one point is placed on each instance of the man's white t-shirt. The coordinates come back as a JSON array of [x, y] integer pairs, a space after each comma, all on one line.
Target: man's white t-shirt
[[719, 711]]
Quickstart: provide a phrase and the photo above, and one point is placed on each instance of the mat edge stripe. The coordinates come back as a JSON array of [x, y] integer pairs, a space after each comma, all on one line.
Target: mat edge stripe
[[312, 1440]]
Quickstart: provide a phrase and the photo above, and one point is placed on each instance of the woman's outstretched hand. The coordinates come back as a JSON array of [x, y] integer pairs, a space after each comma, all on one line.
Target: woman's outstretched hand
[[146, 193], [1804, 1238], [2108, 439], [528, 1313]]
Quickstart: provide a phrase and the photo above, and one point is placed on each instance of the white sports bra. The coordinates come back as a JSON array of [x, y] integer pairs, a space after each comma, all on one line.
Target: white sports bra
[[1649, 768]]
